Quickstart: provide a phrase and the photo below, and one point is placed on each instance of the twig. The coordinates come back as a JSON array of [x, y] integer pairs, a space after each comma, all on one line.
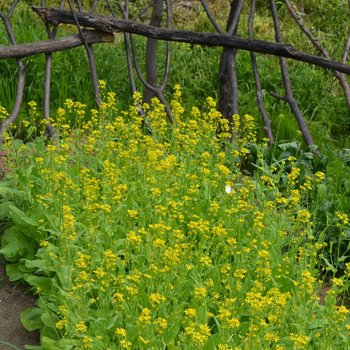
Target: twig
[[90, 53], [234, 20], [341, 78], [47, 84], [156, 91], [228, 94], [21, 74], [346, 50], [287, 83], [110, 24], [211, 17], [168, 50], [278, 97], [47, 46], [259, 92], [125, 10]]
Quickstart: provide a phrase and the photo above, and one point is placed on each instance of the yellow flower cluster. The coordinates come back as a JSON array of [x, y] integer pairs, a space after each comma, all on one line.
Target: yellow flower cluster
[[154, 238]]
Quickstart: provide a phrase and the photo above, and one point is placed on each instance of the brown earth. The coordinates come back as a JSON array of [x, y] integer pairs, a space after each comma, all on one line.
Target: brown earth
[[14, 298]]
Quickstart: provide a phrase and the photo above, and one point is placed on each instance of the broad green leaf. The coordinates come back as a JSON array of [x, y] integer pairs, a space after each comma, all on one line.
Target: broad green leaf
[[289, 145], [39, 264], [43, 283], [30, 319], [49, 319], [6, 190], [49, 343], [21, 218], [15, 244], [49, 333], [14, 272], [171, 333]]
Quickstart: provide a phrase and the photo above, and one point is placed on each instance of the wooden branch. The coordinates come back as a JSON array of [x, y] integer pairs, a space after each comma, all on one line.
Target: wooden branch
[[259, 92], [90, 54], [293, 104], [21, 75], [48, 46], [109, 24], [211, 17], [341, 78]]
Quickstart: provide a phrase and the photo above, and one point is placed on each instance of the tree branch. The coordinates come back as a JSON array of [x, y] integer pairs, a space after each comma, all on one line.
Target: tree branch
[[21, 74], [259, 92], [108, 24], [48, 46], [341, 78], [287, 83]]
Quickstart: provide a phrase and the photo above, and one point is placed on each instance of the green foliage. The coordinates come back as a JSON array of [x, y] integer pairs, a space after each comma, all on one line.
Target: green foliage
[[139, 241], [196, 69]]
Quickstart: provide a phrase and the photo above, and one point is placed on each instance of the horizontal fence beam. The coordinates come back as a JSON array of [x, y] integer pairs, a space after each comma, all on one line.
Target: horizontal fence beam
[[48, 46], [110, 24]]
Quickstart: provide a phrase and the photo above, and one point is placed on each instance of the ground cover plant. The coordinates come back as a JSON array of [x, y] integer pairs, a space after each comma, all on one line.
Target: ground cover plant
[[319, 96], [138, 235]]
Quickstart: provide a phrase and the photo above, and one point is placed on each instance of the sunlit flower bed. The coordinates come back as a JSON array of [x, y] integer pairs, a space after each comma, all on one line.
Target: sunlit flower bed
[[134, 239]]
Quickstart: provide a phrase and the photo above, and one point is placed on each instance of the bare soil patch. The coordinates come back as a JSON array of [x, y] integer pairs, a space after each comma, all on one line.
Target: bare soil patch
[[14, 298]]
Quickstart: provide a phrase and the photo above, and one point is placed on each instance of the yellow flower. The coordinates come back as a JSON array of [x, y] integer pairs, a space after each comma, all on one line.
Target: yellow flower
[[161, 324], [145, 316], [320, 176], [303, 216], [300, 341], [190, 312], [156, 298], [81, 327], [61, 324], [200, 292], [132, 213], [102, 84]]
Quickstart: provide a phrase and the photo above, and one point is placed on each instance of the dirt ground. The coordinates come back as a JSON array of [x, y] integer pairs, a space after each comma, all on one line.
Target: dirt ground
[[14, 298]]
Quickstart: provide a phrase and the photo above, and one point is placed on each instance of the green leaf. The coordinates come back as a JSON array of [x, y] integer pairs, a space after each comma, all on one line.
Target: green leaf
[[330, 266], [39, 264], [9, 345], [20, 217], [212, 342], [171, 333], [15, 244], [289, 145], [6, 189], [49, 319], [14, 272], [112, 322], [50, 333], [49, 343], [30, 319], [43, 283]]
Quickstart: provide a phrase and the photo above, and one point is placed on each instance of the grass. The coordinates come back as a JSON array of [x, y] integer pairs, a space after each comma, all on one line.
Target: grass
[[132, 241], [318, 94]]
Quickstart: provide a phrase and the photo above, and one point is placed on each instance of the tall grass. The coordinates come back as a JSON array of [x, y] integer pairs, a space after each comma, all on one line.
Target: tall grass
[[196, 69]]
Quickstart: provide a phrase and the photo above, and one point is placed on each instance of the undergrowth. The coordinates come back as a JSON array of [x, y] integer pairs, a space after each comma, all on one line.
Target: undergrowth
[[196, 68], [134, 240]]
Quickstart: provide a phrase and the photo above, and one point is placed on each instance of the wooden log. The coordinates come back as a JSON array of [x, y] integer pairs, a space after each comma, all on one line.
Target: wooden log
[[110, 24], [48, 46]]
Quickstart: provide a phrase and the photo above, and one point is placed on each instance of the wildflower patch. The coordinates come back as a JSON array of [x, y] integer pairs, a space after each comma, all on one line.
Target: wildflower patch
[[139, 240]]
